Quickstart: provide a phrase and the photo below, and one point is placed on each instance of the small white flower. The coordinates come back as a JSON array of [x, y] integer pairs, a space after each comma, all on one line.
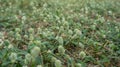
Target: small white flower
[[82, 54], [78, 32], [26, 36], [37, 42], [81, 45], [18, 36], [67, 57], [28, 57], [13, 57], [60, 40], [25, 66], [49, 51], [39, 65], [1, 35], [53, 59], [24, 18], [35, 51], [1, 42], [61, 49], [31, 30], [110, 12], [17, 29], [58, 63], [70, 32], [31, 37], [78, 65], [10, 46]]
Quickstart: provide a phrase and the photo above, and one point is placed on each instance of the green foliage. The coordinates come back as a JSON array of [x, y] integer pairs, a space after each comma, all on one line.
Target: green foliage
[[59, 33]]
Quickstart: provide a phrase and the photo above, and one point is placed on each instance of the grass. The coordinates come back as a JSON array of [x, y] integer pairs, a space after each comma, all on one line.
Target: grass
[[58, 33]]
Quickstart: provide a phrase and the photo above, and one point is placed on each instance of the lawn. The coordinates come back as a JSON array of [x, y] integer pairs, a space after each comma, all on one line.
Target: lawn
[[59, 33]]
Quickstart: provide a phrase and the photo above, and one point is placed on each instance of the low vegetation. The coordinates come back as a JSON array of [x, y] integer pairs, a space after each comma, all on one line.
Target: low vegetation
[[59, 33]]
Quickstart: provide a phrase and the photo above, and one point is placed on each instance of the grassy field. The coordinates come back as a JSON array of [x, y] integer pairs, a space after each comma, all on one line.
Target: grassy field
[[59, 33]]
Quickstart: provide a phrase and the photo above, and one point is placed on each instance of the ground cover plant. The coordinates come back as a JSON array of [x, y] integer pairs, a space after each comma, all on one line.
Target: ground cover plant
[[59, 33]]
